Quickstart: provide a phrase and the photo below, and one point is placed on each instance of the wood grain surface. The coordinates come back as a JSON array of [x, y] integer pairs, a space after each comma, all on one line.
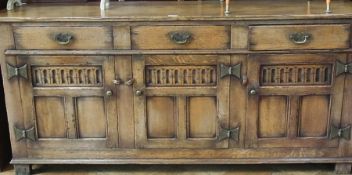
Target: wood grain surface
[[180, 11]]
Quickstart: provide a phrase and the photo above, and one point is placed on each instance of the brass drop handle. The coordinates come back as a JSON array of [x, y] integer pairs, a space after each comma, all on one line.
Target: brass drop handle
[[180, 37], [129, 82], [300, 37], [252, 91], [139, 92], [63, 38], [108, 93]]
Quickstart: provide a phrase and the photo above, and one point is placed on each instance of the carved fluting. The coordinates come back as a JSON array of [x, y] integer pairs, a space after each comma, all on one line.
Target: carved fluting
[[181, 75], [295, 75], [67, 76]]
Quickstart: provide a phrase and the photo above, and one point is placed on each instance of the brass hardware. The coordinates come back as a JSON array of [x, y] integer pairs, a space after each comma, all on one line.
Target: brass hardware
[[12, 3], [252, 92], [180, 37], [139, 92], [116, 82], [63, 38], [233, 134], [343, 68], [129, 82], [25, 134], [300, 37], [17, 71], [108, 93], [344, 133], [233, 71]]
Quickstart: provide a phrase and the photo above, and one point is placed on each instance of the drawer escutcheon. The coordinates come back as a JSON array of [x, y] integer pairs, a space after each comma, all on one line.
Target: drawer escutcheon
[[180, 37], [63, 38], [300, 37]]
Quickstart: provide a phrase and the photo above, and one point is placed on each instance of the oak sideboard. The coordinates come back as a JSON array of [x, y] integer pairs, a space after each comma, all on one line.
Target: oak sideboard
[[178, 83]]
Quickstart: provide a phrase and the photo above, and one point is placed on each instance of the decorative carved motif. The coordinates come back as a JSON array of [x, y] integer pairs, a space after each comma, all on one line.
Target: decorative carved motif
[[295, 75], [67, 76], [181, 75]]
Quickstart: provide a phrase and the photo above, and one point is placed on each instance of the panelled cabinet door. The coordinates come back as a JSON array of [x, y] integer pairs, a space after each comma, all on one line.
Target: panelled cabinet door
[[69, 101], [294, 100], [181, 101]]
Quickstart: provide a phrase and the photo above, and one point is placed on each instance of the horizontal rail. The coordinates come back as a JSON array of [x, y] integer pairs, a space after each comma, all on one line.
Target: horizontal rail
[[164, 52]]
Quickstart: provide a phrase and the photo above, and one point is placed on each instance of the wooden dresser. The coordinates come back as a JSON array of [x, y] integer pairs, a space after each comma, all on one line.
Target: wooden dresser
[[179, 83]]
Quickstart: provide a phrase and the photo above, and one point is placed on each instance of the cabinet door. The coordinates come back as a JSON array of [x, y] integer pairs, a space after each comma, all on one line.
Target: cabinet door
[[69, 101], [294, 100], [180, 101]]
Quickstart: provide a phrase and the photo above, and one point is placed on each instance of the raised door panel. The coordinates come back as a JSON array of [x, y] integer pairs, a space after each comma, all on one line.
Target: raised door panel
[[180, 102], [317, 106], [272, 122], [91, 117], [161, 117], [70, 102], [202, 117], [50, 117], [294, 100]]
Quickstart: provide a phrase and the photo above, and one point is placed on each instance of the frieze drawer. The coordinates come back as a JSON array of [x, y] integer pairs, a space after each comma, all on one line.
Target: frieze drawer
[[180, 37], [285, 37], [94, 37]]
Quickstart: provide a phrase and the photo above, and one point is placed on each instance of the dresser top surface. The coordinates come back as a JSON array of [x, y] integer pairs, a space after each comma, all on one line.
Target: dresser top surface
[[179, 11]]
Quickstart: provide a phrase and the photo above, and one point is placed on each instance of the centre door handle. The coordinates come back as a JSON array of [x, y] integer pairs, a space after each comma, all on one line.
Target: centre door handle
[[109, 93], [252, 91], [139, 92]]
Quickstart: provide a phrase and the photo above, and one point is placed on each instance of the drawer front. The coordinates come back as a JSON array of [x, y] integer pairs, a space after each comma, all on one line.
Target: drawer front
[[63, 37], [299, 37], [180, 37]]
